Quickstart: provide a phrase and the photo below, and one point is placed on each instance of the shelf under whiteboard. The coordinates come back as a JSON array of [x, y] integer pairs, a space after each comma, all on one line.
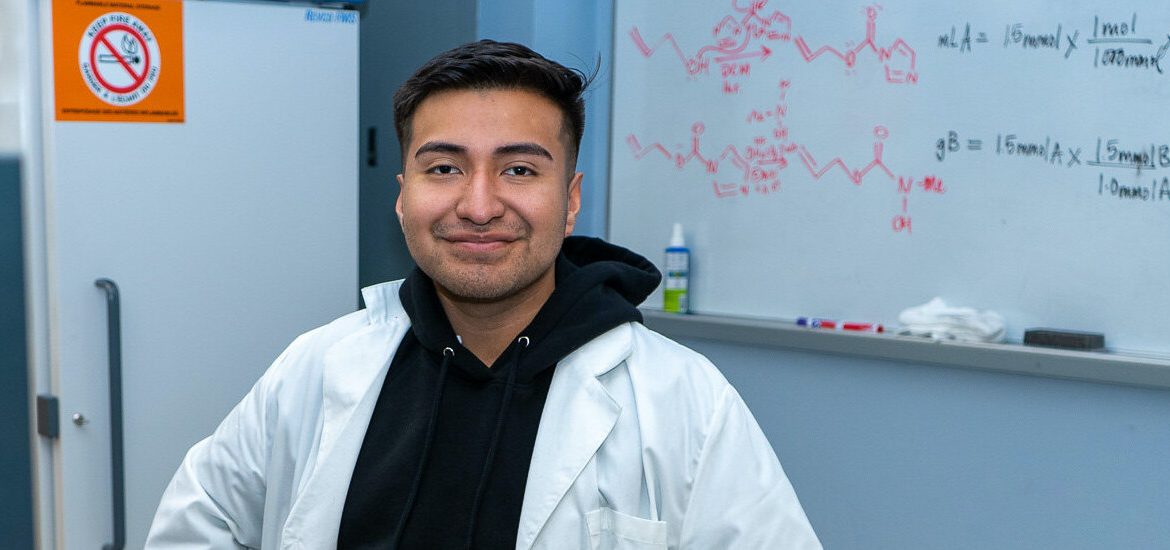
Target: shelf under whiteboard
[[1101, 367]]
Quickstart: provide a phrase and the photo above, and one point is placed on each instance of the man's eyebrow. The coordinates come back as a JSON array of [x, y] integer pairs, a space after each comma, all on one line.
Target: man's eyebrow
[[523, 148], [440, 147]]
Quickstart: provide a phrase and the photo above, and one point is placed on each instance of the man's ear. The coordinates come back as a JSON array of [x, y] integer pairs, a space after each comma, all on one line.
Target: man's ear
[[573, 206], [398, 203]]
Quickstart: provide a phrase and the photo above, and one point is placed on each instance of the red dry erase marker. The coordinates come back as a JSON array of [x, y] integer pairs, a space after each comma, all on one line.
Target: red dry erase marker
[[839, 325]]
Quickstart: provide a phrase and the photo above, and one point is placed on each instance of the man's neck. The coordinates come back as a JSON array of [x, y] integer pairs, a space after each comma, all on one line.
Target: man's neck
[[487, 328]]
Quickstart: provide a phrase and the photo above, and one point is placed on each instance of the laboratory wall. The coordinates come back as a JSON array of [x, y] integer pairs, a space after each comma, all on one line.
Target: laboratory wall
[[899, 455], [11, 72]]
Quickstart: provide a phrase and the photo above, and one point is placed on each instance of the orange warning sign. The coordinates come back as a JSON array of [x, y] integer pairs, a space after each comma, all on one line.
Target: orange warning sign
[[118, 61]]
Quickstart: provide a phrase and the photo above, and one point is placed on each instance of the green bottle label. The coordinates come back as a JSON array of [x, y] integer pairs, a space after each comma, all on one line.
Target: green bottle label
[[675, 300]]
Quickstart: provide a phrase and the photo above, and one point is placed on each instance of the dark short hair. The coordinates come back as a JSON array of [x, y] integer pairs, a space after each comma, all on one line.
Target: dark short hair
[[488, 65]]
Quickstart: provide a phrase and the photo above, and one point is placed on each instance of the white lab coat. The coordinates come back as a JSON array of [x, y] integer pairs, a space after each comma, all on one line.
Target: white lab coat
[[642, 444]]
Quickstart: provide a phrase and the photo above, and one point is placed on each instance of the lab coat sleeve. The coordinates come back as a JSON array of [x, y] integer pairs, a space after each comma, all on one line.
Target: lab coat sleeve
[[216, 498], [741, 497]]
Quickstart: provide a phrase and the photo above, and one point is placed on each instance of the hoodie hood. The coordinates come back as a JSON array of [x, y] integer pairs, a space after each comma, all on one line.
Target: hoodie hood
[[598, 286]]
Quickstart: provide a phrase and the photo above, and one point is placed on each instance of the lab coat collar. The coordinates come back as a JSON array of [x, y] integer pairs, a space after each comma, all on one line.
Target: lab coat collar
[[382, 303], [578, 416]]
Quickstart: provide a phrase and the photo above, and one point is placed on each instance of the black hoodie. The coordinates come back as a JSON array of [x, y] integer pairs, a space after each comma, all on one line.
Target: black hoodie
[[445, 458]]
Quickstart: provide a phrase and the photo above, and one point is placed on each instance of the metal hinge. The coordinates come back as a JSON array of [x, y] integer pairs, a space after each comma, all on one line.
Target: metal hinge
[[48, 418]]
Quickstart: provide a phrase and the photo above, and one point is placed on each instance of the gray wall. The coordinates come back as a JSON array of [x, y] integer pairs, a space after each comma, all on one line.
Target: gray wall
[[894, 455], [16, 521]]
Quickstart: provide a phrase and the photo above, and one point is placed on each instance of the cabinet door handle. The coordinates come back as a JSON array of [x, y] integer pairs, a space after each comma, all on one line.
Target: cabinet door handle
[[117, 457]]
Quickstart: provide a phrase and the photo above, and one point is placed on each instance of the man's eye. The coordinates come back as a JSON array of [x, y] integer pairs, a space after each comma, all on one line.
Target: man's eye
[[443, 169], [519, 171]]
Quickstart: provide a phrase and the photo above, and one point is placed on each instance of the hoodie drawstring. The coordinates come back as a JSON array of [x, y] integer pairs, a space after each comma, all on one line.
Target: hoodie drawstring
[[491, 454], [448, 353]]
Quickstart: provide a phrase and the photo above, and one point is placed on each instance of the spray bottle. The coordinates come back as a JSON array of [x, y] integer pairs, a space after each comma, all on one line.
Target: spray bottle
[[678, 273]]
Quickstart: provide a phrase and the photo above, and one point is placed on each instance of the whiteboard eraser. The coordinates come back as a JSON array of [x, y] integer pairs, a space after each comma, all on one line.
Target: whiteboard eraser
[[1067, 339]]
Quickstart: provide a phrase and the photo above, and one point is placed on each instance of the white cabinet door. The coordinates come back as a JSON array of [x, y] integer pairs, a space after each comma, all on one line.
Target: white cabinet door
[[228, 235]]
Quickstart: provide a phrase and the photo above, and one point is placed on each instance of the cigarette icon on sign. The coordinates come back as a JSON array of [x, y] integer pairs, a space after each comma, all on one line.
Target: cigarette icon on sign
[[129, 48]]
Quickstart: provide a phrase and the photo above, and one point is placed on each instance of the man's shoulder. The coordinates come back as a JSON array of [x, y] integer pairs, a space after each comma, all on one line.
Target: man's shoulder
[[649, 343], [337, 329], [656, 360]]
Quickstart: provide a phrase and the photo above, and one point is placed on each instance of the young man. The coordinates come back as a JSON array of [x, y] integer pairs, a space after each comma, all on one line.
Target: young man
[[505, 394]]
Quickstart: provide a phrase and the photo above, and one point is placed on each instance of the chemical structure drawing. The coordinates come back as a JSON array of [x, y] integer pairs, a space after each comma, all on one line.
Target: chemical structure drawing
[[733, 37], [898, 47], [761, 161], [740, 40], [880, 133]]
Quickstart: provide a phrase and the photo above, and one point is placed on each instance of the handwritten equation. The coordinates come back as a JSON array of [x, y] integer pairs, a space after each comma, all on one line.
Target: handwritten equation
[[1117, 43], [1107, 154]]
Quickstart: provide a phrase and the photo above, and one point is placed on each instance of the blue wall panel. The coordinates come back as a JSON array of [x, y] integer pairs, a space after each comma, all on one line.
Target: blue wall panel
[[16, 523]]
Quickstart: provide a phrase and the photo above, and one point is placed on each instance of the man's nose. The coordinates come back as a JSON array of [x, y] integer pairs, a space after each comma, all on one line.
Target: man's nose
[[480, 202]]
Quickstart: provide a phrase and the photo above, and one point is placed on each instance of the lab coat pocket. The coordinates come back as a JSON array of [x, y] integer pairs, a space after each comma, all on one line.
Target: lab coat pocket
[[613, 530]]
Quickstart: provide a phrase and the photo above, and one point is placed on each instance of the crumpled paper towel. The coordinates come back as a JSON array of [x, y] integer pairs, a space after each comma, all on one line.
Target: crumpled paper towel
[[936, 320]]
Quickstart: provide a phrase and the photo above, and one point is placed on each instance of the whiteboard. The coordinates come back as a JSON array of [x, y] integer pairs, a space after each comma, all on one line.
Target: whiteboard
[[849, 160]]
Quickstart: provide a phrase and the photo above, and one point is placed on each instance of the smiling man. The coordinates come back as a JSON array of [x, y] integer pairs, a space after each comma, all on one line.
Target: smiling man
[[505, 394]]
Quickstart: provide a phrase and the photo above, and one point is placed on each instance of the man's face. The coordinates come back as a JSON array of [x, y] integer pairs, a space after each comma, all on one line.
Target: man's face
[[487, 196]]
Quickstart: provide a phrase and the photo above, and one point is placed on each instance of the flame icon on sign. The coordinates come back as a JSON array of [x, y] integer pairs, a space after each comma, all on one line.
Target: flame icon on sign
[[129, 47]]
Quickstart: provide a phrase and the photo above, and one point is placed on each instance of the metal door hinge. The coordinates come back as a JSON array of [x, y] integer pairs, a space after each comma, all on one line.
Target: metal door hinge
[[48, 418]]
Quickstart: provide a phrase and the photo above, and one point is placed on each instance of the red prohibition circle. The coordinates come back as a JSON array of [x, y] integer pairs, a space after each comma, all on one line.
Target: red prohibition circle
[[101, 39]]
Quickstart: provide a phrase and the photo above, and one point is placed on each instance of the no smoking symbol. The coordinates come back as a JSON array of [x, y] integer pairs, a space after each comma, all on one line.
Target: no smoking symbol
[[119, 59]]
